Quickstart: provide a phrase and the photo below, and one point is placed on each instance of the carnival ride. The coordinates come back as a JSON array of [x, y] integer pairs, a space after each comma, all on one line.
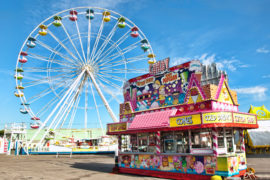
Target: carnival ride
[[76, 62]]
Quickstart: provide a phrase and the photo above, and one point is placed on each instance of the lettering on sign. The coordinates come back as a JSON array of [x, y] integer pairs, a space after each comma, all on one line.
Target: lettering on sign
[[184, 121], [244, 119], [217, 117], [170, 77], [145, 82], [190, 120], [117, 127]]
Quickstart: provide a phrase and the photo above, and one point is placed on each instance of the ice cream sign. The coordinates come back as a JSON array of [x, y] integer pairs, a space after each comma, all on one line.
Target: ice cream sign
[[170, 77], [185, 120]]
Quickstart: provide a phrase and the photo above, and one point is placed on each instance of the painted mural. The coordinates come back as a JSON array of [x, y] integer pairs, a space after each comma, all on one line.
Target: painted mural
[[157, 91], [181, 164]]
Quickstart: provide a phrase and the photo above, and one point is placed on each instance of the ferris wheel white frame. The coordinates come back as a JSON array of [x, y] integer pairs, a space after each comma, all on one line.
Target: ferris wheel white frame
[[87, 62]]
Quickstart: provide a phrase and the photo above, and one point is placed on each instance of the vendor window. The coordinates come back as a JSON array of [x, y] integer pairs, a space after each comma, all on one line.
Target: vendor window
[[201, 138], [229, 140], [237, 140], [181, 141], [134, 143], [167, 141], [142, 142], [152, 142], [125, 143], [221, 143]]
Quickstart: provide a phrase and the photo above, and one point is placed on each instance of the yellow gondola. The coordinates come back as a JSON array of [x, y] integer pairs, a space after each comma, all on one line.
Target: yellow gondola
[[106, 16], [19, 87], [18, 94], [43, 30]]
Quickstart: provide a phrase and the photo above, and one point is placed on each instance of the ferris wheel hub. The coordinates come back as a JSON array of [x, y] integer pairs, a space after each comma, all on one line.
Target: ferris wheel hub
[[89, 68]]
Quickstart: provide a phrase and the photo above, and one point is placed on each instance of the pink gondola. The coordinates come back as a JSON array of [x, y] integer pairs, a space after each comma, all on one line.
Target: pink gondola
[[34, 126], [35, 118]]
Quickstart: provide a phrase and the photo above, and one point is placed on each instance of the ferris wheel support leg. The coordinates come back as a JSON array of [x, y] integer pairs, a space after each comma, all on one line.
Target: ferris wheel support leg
[[102, 96], [72, 87]]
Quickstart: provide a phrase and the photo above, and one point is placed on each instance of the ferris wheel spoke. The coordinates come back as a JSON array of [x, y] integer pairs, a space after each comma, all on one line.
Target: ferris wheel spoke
[[105, 43], [107, 89], [109, 82], [119, 71], [98, 115], [74, 110], [45, 92], [86, 103], [46, 78], [114, 45], [69, 52], [80, 39], [116, 55], [68, 113], [56, 52], [126, 61], [117, 78], [64, 112], [41, 69], [97, 40], [88, 40], [92, 77], [42, 58], [44, 109], [72, 43]]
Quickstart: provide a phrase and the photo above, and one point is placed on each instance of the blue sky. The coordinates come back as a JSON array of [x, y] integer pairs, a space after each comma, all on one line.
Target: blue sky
[[234, 34]]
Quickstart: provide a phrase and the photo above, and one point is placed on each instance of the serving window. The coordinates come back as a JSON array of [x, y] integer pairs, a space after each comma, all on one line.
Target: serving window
[[175, 142], [201, 138]]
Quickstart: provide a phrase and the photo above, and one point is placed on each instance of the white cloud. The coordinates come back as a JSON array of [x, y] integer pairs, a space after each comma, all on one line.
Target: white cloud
[[179, 60], [266, 76], [207, 59], [257, 92], [262, 50]]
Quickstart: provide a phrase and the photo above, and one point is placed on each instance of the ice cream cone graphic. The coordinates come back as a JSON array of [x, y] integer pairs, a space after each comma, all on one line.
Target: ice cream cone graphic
[[194, 95]]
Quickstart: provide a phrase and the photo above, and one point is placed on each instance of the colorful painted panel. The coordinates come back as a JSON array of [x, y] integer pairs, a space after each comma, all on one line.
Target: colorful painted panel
[[182, 164], [158, 91]]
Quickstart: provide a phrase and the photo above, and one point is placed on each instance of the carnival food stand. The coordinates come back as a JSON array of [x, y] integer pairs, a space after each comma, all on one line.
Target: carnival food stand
[[171, 126]]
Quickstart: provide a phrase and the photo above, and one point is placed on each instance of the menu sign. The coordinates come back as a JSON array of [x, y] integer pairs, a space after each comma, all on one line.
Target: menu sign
[[185, 120], [117, 127], [217, 117], [244, 118]]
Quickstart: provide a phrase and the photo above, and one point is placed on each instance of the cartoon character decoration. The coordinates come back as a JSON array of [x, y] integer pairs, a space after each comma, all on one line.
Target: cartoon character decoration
[[210, 164], [126, 160], [137, 161], [153, 91], [177, 163], [233, 165], [165, 161]]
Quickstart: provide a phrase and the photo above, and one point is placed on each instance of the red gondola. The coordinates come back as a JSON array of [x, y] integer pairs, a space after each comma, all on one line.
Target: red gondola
[[73, 15]]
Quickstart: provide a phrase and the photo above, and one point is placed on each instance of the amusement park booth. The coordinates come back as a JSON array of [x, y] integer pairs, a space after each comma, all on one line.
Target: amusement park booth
[[257, 140], [181, 122]]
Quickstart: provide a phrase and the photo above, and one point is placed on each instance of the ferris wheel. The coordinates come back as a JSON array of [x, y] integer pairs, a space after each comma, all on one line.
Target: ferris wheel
[[75, 63]]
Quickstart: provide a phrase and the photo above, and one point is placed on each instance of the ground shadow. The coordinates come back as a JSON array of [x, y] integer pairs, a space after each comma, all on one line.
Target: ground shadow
[[94, 166], [258, 155]]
